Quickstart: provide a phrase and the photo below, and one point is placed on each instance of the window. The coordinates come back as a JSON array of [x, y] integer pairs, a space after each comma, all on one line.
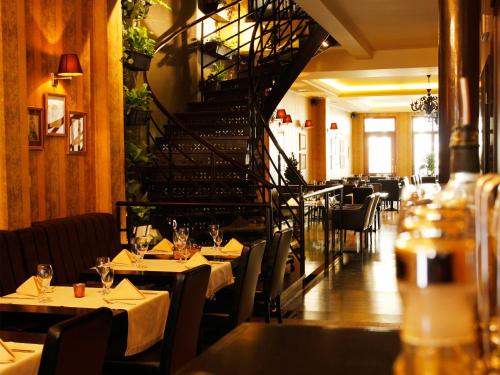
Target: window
[[425, 146], [379, 144]]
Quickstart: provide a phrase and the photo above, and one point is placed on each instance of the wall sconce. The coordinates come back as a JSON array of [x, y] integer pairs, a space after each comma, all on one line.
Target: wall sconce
[[281, 114], [308, 124], [333, 126], [69, 67], [287, 119]]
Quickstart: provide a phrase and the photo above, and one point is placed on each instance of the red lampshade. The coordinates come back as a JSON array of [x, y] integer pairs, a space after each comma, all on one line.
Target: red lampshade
[[287, 119], [69, 66], [333, 126], [308, 124], [280, 113]]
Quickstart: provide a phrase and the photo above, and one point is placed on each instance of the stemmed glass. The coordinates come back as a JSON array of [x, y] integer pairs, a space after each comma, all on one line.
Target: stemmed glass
[[180, 239], [213, 229], [219, 238], [107, 278], [44, 275], [140, 246]]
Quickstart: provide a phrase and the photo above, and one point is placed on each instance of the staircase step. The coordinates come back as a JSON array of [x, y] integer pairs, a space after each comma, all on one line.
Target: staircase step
[[216, 95], [222, 120], [228, 105]]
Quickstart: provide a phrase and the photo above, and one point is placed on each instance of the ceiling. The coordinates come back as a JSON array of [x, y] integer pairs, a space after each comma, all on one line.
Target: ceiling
[[387, 47]]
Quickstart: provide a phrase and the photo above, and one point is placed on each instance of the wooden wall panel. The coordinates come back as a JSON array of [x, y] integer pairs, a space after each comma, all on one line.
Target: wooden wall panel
[[316, 141], [37, 185]]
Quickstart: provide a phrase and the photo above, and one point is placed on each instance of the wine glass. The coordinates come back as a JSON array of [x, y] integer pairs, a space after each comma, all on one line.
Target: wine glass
[[141, 245], [107, 278], [44, 275], [219, 237], [100, 263], [213, 229]]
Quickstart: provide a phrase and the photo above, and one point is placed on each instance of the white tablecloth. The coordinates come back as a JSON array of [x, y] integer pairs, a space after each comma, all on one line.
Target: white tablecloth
[[217, 252], [25, 363], [221, 275], [146, 318]]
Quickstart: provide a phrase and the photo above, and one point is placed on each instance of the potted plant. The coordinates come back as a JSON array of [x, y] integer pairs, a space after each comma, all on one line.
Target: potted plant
[[209, 6], [136, 10], [218, 46], [292, 172], [137, 102], [429, 164], [216, 75], [138, 47]]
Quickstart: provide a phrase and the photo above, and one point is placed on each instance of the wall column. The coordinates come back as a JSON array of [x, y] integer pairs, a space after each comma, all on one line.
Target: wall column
[[14, 158], [316, 159]]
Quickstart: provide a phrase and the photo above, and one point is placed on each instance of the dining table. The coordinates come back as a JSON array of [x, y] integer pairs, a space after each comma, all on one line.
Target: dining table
[[137, 324], [26, 360], [299, 348]]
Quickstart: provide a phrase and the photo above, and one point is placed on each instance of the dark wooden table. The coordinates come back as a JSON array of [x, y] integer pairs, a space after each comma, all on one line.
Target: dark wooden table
[[255, 348]]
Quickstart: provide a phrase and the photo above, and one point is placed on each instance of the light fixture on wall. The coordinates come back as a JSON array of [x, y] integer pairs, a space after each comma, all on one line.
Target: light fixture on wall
[[428, 104], [287, 119], [69, 67], [334, 126], [308, 124], [281, 114]]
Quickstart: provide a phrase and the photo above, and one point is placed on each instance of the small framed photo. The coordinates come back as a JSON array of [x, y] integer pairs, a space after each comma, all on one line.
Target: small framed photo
[[302, 162], [302, 141], [35, 128], [55, 112], [76, 132]]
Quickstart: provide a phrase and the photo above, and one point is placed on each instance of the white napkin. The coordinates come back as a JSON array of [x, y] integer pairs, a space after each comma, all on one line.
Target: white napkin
[[125, 290], [164, 245], [233, 246], [196, 260], [124, 257], [30, 287], [6, 355]]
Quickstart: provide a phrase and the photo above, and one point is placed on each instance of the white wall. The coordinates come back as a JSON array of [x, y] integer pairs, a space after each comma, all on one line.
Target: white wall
[[288, 134], [336, 140]]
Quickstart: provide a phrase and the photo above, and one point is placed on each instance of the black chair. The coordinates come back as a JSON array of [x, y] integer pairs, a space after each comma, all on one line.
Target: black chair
[[274, 272], [360, 194], [77, 346], [428, 179], [391, 187], [235, 304], [180, 340]]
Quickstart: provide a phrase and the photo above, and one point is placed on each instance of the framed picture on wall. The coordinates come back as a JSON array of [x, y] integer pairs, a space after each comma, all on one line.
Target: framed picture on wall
[[302, 161], [76, 132], [55, 112], [35, 128], [302, 141]]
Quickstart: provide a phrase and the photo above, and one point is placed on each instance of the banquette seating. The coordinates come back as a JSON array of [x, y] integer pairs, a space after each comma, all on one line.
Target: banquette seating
[[70, 244]]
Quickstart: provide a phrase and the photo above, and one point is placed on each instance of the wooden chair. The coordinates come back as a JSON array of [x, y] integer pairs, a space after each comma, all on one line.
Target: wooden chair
[[77, 346], [180, 340]]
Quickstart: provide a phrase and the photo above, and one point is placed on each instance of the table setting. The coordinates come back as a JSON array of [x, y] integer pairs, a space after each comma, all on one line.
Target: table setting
[[18, 358]]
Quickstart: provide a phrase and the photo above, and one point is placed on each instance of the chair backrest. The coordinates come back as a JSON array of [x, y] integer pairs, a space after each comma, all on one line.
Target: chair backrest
[[391, 186], [275, 274], [360, 193], [77, 346], [348, 188], [377, 187], [180, 339], [246, 282], [373, 209]]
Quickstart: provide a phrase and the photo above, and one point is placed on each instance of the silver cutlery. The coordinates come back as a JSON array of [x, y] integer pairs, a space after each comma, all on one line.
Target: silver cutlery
[[22, 350], [17, 297], [111, 302]]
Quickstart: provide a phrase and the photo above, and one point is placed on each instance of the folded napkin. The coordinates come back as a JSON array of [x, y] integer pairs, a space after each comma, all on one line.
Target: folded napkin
[[164, 245], [124, 257], [292, 202], [6, 355], [30, 287], [125, 290], [196, 260], [233, 246]]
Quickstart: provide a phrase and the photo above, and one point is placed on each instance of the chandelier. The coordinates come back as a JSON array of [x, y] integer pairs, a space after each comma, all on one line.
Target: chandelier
[[428, 104]]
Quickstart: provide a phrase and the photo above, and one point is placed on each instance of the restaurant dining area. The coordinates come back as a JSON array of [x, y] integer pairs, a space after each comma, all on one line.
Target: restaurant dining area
[[249, 187]]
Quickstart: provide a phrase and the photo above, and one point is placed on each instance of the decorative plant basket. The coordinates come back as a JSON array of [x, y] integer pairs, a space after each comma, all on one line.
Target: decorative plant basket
[[137, 61], [208, 6], [137, 117]]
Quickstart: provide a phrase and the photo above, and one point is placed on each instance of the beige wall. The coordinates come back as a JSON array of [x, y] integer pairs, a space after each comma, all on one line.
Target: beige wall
[[48, 183], [336, 140], [403, 139]]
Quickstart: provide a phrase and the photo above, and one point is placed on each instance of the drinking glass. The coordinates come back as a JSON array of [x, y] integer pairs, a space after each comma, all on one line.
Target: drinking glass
[[100, 263], [180, 244], [44, 275], [107, 278], [219, 237], [213, 229], [140, 245]]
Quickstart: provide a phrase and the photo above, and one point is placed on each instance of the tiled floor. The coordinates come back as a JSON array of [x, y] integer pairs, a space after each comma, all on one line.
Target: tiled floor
[[361, 290]]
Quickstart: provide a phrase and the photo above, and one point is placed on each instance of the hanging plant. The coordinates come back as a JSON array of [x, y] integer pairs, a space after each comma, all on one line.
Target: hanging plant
[[138, 47], [209, 6], [137, 103], [136, 10]]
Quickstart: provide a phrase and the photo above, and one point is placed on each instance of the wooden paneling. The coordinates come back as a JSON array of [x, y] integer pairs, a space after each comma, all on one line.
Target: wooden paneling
[[51, 182], [316, 143]]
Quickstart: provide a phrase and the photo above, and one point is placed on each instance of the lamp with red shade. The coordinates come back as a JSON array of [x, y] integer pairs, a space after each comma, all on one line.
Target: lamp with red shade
[[69, 67], [308, 124], [280, 113], [333, 126], [287, 119]]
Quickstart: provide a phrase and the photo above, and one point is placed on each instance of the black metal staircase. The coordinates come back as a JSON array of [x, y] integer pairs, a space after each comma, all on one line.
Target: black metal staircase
[[217, 151]]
